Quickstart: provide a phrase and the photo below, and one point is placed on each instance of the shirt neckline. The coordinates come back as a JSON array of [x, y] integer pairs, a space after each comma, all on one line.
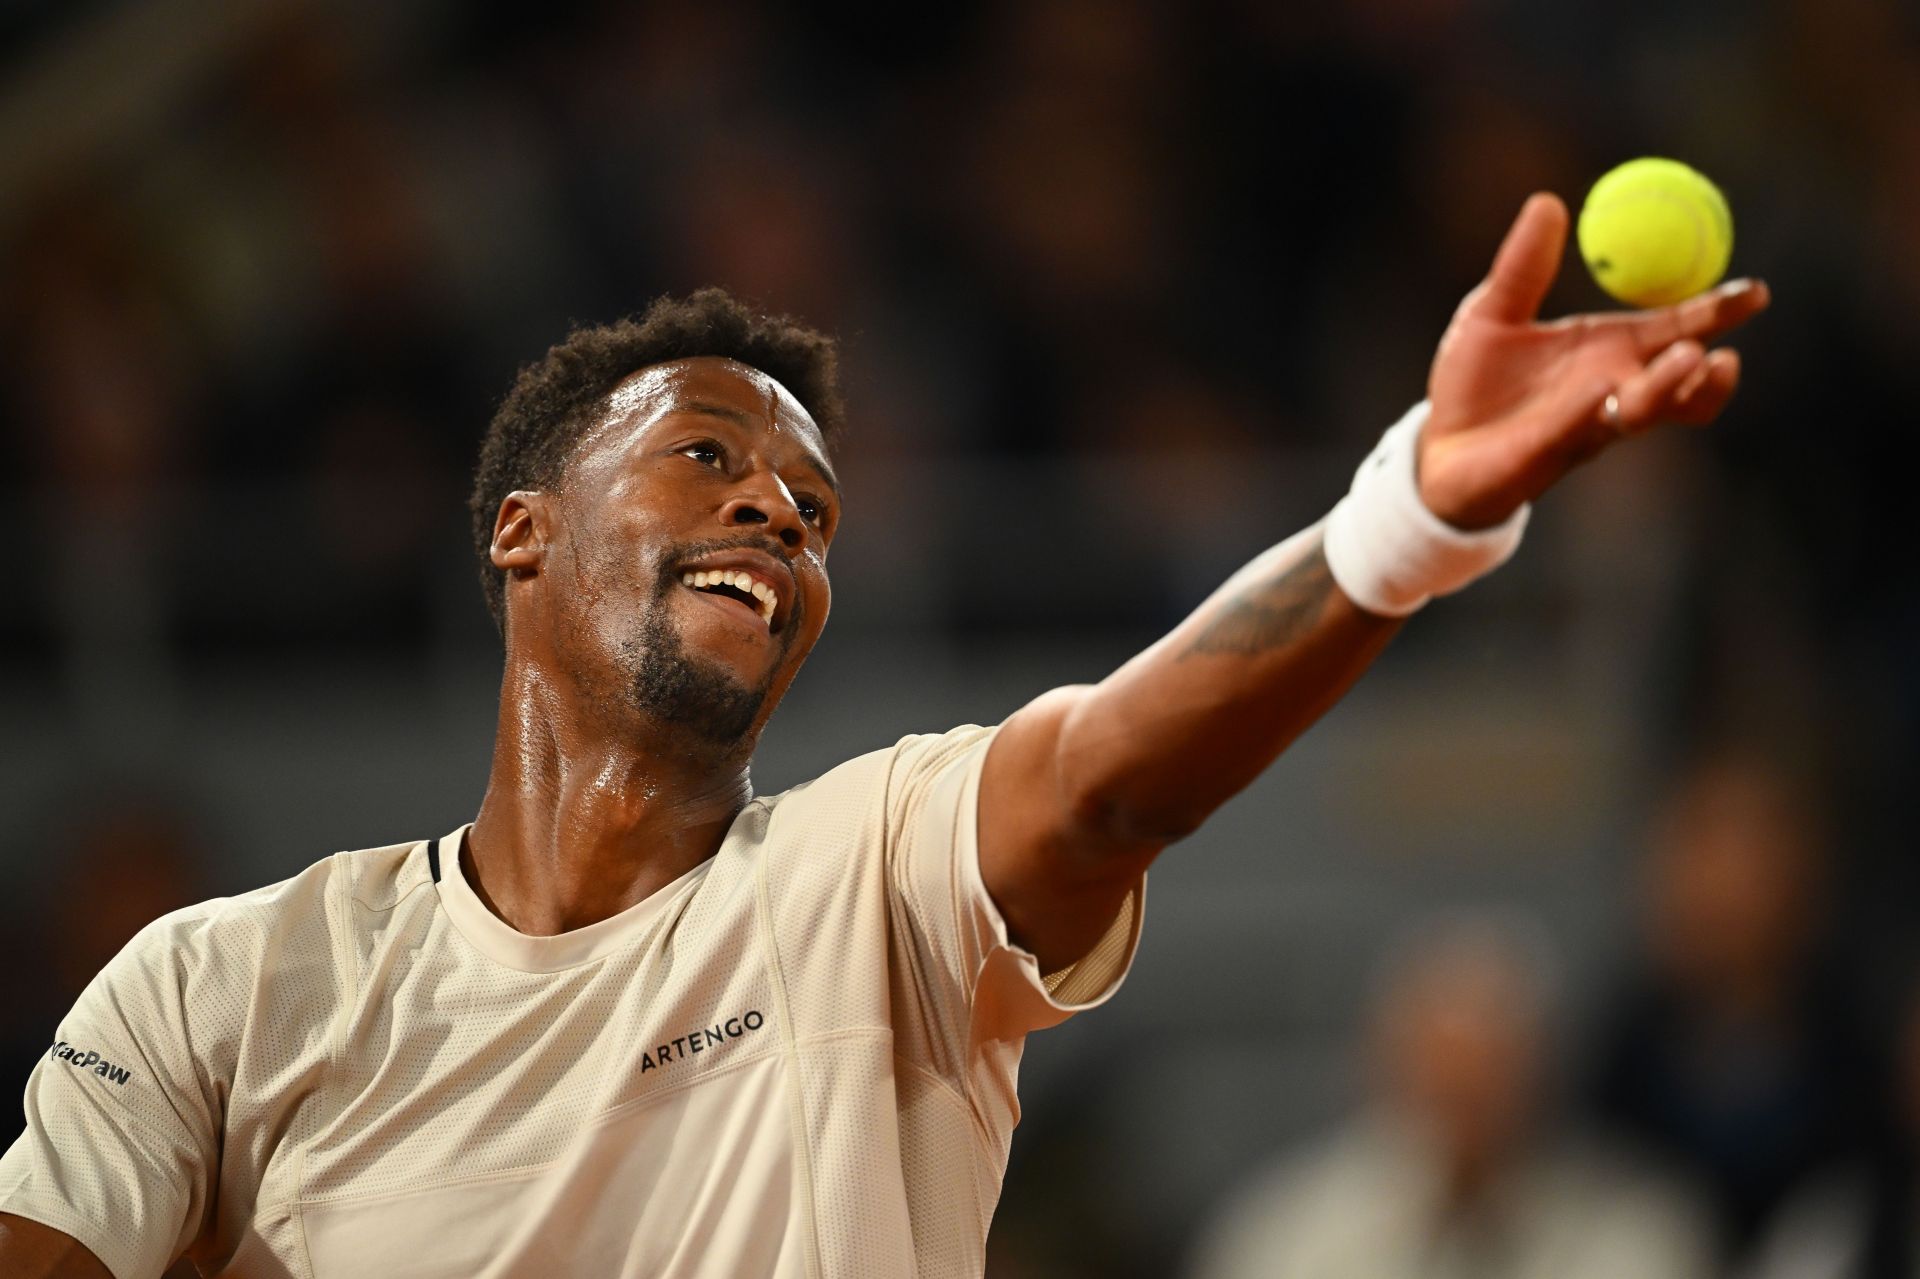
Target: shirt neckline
[[501, 942]]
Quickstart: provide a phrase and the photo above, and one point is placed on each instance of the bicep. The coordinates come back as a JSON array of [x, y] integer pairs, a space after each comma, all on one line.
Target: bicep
[[1057, 871], [120, 1143], [30, 1250]]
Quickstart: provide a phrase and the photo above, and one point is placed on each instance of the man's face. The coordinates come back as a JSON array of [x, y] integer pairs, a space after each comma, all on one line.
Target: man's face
[[685, 575]]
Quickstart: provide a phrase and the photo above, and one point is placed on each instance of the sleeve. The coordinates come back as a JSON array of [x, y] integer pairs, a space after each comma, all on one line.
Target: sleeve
[[121, 1142], [960, 941]]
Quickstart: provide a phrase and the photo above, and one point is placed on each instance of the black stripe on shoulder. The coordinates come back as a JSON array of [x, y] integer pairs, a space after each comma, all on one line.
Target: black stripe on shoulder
[[433, 858]]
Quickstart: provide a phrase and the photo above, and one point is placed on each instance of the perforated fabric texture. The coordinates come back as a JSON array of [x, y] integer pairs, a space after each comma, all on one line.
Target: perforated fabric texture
[[797, 1060]]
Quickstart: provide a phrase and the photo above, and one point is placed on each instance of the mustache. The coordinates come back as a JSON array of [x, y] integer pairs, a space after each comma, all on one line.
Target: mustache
[[681, 552]]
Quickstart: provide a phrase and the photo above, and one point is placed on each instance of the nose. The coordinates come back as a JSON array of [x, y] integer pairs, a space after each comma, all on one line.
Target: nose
[[765, 499]]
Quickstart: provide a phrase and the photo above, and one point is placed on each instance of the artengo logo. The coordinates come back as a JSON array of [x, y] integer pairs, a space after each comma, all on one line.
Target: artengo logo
[[717, 1035], [87, 1059]]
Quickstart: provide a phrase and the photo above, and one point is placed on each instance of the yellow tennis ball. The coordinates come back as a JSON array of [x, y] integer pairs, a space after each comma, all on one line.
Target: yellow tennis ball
[[1654, 232]]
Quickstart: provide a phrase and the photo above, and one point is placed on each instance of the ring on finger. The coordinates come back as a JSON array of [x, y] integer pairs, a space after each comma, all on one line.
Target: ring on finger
[[1610, 413]]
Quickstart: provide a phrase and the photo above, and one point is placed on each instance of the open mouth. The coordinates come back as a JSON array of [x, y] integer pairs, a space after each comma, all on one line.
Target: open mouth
[[740, 588]]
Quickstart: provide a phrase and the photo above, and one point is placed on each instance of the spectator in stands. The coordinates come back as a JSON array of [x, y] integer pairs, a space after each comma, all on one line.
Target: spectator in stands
[[1862, 1222], [1451, 1172], [1729, 1054]]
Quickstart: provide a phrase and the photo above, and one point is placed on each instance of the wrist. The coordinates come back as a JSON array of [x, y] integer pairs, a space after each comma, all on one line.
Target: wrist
[[1389, 551], [1468, 515]]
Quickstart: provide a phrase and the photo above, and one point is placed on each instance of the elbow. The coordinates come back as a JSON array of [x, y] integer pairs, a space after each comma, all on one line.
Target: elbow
[[1113, 816], [1107, 791]]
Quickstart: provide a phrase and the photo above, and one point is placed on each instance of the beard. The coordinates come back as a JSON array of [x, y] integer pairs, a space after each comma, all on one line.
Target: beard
[[672, 686]]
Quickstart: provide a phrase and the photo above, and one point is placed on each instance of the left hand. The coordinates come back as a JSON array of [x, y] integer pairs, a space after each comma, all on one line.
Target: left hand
[[1517, 403]]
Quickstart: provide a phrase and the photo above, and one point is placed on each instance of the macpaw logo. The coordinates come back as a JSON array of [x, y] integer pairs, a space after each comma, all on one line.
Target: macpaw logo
[[87, 1059]]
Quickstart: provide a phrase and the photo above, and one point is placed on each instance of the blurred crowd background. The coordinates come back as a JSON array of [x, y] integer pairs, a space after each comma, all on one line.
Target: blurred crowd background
[[1579, 941]]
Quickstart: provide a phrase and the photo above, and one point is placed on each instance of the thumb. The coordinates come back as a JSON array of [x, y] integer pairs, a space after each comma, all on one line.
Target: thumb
[[1526, 264]]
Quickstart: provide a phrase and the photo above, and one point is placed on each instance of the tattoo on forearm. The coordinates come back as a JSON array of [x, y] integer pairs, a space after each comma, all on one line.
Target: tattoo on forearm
[[1272, 614]]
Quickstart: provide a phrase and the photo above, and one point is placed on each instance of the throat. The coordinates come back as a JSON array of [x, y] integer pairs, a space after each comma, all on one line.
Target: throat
[[584, 817], [584, 856]]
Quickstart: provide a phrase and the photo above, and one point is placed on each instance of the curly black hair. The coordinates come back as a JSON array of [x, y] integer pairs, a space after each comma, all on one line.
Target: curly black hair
[[558, 398]]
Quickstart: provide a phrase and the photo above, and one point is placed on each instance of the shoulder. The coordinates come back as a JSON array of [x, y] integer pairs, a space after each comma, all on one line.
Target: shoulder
[[889, 774], [1613, 1191], [918, 754], [844, 827], [205, 955], [1300, 1206], [1365, 1161], [205, 931]]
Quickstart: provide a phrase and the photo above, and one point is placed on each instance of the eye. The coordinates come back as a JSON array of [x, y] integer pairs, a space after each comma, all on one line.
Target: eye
[[810, 509], [705, 452]]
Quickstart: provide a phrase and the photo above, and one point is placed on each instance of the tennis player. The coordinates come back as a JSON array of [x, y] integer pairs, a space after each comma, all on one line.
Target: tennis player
[[635, 1020]]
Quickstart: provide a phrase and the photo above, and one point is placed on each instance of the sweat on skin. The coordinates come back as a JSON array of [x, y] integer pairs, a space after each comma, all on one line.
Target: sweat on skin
[[630, 704], [632, 699]]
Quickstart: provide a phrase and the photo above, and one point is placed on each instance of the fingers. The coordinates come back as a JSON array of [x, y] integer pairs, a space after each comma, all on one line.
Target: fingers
[[1650, 394], [1682, 384], [1570, 429], [1528, 260], [1701, 319], [1699, 399]]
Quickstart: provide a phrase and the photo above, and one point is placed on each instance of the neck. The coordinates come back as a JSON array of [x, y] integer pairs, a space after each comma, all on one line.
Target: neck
[[582, 820]]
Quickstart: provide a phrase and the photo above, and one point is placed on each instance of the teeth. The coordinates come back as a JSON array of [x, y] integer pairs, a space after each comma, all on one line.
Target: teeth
[[768, 597]]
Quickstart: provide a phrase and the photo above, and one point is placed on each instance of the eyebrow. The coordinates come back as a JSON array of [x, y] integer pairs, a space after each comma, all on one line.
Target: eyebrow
[[735, 416], [739, 418]]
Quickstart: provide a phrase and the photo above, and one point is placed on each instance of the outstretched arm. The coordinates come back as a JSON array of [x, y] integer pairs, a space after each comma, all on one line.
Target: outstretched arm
[[1083, 787]]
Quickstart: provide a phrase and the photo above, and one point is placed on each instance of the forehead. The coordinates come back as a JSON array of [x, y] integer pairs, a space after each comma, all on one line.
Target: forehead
[[715, 387]]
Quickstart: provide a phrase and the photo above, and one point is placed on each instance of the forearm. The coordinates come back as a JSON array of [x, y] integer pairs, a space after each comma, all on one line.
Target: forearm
[[1083, 786], [1152, 750]]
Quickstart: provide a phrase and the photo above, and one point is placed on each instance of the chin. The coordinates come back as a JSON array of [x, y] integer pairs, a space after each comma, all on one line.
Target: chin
[[710, 691]]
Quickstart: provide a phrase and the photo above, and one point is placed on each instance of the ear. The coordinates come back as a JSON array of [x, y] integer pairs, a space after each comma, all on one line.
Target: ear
[[520, 531]]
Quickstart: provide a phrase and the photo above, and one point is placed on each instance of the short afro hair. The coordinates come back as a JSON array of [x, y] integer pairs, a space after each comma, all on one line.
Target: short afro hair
[[559, 398]]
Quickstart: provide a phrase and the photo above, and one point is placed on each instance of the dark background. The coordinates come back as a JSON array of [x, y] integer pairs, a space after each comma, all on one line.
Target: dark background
[[1126, 290]]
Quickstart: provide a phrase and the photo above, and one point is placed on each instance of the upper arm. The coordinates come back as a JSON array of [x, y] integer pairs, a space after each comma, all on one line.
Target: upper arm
[[30, 1250], [981, 983], [120, 1150], [1058, 870], [1086, 785]]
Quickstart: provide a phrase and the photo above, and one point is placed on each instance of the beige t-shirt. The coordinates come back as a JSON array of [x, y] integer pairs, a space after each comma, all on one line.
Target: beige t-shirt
[[796, 1060]]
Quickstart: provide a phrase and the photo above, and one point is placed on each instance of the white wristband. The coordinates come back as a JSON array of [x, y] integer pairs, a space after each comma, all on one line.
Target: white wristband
[[1387, 551]]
